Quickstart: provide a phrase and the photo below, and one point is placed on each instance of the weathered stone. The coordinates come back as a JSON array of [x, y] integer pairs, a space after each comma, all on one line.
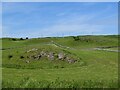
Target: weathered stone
[[34, 49], [61, 56], [38, 56], [27, 61], [51, 56], [71, 61], [43, 53]]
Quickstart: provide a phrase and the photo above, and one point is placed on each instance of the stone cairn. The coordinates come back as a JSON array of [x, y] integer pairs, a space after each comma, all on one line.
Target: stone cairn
[[51, 56]]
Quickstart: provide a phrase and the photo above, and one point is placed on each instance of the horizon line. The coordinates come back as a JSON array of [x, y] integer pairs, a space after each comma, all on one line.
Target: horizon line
[[63, 36]]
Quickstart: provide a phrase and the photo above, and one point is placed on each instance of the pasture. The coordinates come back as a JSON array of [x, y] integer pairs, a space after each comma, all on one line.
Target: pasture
[[60, 62]]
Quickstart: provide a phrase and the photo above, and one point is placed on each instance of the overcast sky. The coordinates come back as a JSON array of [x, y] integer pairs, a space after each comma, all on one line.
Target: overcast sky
[[58, 18]]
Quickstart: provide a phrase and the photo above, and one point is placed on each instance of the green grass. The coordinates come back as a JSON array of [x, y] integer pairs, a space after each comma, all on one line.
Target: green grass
[[115, 48], [93, 68]]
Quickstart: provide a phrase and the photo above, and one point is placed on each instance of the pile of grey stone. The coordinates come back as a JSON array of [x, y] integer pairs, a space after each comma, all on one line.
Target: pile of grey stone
[[52, 56]]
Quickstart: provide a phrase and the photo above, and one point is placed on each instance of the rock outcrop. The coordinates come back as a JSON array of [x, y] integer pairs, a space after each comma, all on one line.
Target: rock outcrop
[[51, 56]]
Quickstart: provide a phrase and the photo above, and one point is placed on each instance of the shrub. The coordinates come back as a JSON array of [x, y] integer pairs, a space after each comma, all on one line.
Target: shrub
[[10, 56], [13, 39], [62, 67], [21, 39], [76, 38], [21, 57], [26, 37]]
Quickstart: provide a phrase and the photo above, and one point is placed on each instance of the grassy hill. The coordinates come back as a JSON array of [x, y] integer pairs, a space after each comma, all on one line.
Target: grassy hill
[[56, 62]]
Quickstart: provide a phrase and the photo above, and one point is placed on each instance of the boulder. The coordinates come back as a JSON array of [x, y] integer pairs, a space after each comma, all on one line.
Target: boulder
[[51, 56], [71, 61], [34, 49], [61, 56], [43, 53], [27, 61]]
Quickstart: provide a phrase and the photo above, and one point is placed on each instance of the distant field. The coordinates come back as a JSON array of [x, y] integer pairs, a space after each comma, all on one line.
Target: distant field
[[66, 62]]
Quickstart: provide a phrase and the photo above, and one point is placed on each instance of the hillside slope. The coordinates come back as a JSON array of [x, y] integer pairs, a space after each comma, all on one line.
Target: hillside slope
[[65, 59]]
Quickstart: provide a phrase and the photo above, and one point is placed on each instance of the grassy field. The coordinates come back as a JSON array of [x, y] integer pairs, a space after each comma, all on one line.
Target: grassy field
[[92, 68]]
